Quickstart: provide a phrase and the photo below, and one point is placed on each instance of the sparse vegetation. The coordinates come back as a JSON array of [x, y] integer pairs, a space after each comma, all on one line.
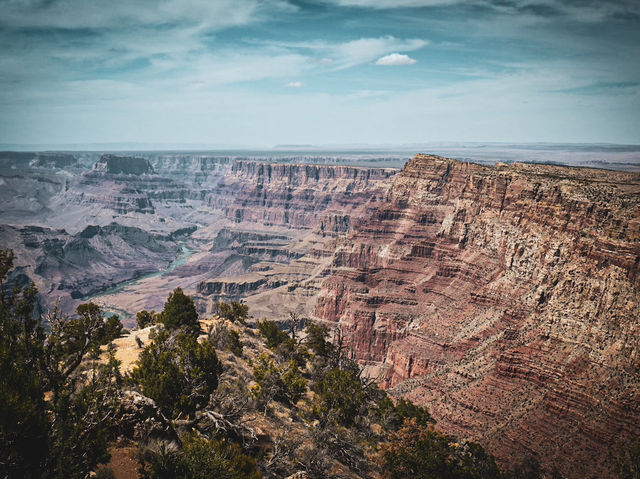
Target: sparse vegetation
[[199, 458], [145, 318], [200, 396], [235, 312], [272, 334], [180, 312], [178, 372]]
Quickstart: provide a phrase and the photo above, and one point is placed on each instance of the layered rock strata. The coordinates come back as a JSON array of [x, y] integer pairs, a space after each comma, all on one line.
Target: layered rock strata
[[73, 266], [296, 196], [505, 298]]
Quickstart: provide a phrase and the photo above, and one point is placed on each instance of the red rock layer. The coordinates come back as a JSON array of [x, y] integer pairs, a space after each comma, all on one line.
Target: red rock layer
[[297, 195], [505, 298]]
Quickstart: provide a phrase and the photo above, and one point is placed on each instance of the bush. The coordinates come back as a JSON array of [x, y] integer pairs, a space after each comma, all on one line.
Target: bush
[[180, 311], [272, 334], [394, 416], [234, 312], [339, 397], [317, 339], [284, 384], [422, 452], [199, 458], [178, 372], [223, 337], [111, 330], [145, 318]]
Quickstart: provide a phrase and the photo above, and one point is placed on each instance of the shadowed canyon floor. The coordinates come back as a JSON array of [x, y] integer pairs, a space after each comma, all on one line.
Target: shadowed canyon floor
[[503, 297]]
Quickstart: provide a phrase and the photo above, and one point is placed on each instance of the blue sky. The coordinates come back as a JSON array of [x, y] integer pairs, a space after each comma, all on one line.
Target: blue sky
[[256, 73]]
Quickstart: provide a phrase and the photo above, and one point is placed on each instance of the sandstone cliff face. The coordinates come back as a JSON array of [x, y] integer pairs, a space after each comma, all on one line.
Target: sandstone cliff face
[[296, 195], [506, 299]]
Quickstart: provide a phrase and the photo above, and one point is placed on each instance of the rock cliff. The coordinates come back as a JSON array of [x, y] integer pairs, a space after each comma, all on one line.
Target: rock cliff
[[296, 196], [127, 165], [505, 298], [71, 267]]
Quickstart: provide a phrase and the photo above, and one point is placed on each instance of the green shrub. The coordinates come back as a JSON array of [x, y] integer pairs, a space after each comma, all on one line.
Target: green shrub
[[199, 458], [339, 397], [180, 311], [272, 334], [145, 318], [284, 384], [422, 452], [234, 311], [111, 330], [317, 339], [178, 372]]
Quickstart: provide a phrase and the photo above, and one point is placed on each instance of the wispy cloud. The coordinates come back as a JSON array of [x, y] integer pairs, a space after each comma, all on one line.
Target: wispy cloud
[[82, 14], [386, 4], [111, 70], [587, 11], [342, 55], [395, 59]]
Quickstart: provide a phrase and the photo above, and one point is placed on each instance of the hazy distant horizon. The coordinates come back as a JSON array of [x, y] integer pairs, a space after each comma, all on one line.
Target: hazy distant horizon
[[195, 147], [609, 156]]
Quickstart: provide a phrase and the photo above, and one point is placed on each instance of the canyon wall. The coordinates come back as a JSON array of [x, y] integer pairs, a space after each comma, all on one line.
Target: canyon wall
[[505, 298], [297, 196]]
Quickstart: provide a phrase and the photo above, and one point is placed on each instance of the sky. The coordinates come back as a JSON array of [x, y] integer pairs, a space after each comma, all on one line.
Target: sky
[[259, 73]]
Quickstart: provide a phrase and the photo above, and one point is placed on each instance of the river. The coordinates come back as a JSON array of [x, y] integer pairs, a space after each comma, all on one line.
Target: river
[[179, 261]]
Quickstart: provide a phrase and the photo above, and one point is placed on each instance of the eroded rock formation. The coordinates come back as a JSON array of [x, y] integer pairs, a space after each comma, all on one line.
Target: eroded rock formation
[[296, 195], [506, 298], [126, 165]]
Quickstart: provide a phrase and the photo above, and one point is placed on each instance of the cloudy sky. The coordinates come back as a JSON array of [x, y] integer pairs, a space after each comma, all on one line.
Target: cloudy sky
[[258, 73]]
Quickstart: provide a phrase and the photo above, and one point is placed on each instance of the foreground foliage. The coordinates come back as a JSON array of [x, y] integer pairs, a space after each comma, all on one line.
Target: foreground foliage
[[199, 458], [55, 417], [178, 372]]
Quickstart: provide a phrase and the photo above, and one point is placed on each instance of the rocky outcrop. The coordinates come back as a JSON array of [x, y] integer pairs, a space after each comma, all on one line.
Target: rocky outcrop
[[296, 195], [505, 298], [230, 289], [54, 160], [126, 184], [334, 225], [204, 171], [126, 165], [98, 257]]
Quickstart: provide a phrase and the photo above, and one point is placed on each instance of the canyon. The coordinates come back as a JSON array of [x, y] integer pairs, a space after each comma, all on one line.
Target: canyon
[[503, 296]]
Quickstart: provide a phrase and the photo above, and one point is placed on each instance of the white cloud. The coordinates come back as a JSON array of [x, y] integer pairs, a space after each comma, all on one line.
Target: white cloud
[[339, 56], [395, 59], [294, 84]]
